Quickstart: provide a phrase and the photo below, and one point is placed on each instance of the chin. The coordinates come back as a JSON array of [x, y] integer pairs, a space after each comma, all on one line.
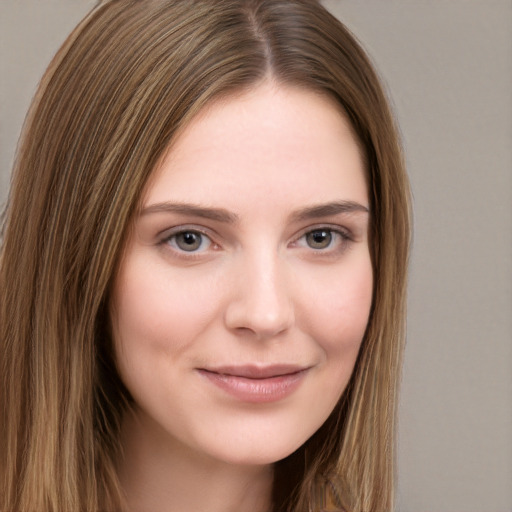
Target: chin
[[259, 447]]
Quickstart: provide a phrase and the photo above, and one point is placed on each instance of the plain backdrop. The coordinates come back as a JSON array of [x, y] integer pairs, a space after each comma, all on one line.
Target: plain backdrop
[[448, 67]]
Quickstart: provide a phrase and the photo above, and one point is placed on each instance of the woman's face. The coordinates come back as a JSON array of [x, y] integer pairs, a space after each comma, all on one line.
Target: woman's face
[[245, 289]]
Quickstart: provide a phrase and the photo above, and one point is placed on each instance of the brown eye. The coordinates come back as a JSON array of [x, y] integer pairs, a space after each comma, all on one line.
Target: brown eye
[[319, 239]]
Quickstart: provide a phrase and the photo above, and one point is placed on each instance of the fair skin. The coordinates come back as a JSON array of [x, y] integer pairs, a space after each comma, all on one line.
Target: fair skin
[[242, 299]]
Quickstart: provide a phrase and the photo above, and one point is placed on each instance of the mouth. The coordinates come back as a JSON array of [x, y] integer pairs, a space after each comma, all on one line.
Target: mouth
[[257, 372], [256, 384]]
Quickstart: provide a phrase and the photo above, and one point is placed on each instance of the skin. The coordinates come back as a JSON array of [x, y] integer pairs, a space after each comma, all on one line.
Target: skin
[[258, 272]]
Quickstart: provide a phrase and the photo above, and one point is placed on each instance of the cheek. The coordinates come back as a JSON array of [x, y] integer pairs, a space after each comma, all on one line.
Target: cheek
[[339, 310], [156, 312], [335, 316]]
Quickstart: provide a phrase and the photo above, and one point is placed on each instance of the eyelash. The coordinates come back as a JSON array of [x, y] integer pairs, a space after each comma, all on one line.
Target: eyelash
[[339, 238], [343, 236], [169, 238]]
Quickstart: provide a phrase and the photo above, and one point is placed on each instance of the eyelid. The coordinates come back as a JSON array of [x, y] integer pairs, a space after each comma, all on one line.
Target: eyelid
[[169, 232], [335, 228], [345, 235], [165, 235]]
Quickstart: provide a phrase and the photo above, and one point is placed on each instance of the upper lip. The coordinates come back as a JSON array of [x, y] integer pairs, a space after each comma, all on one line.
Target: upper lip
[[257, 372]]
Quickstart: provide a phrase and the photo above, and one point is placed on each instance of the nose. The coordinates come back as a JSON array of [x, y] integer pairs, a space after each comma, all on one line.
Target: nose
[[261, 302]]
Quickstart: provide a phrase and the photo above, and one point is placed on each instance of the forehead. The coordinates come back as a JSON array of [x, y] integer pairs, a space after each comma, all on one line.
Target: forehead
[[269, 142]]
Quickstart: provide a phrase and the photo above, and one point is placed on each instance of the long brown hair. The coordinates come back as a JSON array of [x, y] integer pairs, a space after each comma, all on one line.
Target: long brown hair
[[125, 81]]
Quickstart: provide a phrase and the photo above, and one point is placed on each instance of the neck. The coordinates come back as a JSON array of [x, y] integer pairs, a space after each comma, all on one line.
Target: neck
[[159, 473]]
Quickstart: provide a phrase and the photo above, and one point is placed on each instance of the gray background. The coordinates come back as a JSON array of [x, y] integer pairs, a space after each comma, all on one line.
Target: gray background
[[448, 66]]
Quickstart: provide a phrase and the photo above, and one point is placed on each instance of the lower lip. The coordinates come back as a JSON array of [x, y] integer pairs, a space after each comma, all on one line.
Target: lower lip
[[271, 389]]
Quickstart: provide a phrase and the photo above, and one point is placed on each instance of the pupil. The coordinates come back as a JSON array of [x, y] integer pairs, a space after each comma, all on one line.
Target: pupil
[[188, 241], [189, 238], [319, 239]]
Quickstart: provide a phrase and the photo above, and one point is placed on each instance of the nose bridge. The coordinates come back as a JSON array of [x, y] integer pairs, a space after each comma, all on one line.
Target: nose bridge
[[261, 302]]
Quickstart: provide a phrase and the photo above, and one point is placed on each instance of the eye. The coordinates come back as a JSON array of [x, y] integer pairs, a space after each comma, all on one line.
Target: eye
[[189, 241], [324, 240], [319, 238]]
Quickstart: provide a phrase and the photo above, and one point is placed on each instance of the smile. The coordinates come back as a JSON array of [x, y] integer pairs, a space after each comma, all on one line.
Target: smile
[[254, 384]]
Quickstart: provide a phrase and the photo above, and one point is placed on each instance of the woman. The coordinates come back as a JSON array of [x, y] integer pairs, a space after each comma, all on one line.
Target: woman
[[203, 267]]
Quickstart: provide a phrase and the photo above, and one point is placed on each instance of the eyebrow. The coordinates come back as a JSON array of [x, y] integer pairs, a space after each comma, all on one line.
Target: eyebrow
[[328, 209], [225, 216], [216, 214]]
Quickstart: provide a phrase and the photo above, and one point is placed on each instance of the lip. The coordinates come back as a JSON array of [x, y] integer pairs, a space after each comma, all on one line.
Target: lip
[[256, 384]]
